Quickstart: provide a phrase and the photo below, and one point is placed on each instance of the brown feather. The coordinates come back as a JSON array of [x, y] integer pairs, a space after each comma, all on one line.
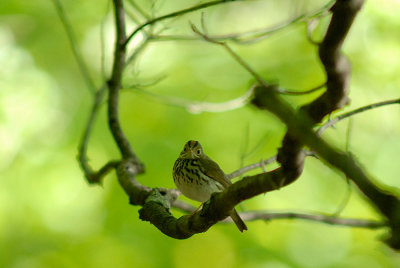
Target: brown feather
[[212, 170]]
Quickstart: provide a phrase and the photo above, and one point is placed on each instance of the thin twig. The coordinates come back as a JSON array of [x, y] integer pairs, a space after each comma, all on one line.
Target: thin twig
[[172, 15], [258, 35], [354, 112], [244, 37], [328, 219], [260, 164], [245, 169], [138, 50], [75, 50], [296, 93], [275, 215], [91, 175]]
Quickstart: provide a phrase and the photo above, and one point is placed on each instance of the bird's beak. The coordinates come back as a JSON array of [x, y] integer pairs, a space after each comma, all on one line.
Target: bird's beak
[[192, 154]]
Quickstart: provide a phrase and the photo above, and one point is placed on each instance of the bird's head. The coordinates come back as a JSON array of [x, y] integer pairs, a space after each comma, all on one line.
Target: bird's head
[[192, 150]]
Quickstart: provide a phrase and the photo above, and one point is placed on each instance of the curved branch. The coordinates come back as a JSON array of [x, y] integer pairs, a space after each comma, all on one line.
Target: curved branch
[[91, 175], [114, 85], [300, 123]]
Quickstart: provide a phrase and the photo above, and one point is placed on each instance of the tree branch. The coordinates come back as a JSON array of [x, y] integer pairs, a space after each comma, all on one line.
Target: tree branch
[[91, 175], [354, 112], [332, 220], [300, 123], [324, 127], [275, 215], [114, 85], [300, 127]]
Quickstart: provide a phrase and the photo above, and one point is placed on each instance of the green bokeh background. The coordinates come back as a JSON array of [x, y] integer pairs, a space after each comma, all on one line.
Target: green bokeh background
[[50, 216]]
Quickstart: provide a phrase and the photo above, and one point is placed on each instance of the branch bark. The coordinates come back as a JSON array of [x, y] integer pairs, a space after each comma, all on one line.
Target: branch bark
[[114, 85]]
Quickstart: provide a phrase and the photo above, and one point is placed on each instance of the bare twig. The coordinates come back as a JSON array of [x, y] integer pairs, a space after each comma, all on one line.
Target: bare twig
[[245, 169], [74, 46], [296, 93], [258, 35], [260, 164], [278, 215], [333, 220], [139, 49], [173, 15], [354, 112], [253, 35], [91, 175]]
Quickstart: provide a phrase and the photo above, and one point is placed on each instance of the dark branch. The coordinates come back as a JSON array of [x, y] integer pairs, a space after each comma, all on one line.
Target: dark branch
[[301, 127], [114, 85], [300, 123]]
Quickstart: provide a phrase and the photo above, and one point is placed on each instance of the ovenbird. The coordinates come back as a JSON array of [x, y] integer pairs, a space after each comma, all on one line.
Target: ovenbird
[[197, 177]]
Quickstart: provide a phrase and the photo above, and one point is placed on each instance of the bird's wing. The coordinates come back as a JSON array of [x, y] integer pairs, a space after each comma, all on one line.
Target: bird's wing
[[212, 170]]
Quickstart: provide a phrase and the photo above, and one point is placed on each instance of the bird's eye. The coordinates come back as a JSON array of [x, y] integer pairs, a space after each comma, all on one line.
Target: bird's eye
[[198, 151], [184, 149]]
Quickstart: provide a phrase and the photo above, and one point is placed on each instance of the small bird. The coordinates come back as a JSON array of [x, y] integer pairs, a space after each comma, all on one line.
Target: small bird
[[197, 177]]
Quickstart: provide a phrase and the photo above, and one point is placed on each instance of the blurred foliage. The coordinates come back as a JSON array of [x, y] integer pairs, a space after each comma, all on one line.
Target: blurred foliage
[[49, 215]]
